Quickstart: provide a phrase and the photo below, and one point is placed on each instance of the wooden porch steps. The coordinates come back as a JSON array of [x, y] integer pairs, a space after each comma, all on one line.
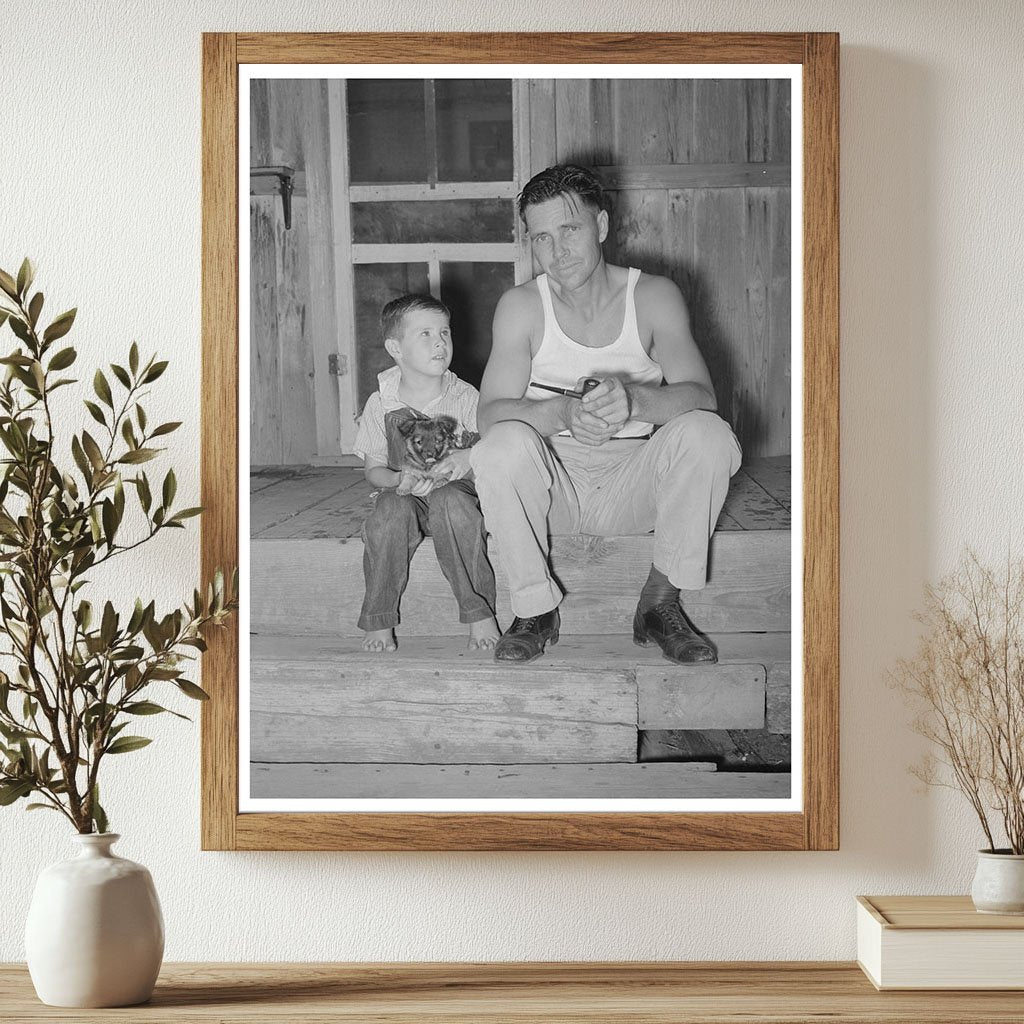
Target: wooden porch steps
[[315, 586], [328, 717], [596, 716], [656, 781]]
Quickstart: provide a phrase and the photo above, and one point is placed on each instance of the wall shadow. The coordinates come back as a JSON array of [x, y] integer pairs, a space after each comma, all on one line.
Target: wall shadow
[[629, 245], [887, 207]]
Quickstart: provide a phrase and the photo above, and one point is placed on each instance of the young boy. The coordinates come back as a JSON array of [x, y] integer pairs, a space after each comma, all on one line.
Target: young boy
[[418, 337]]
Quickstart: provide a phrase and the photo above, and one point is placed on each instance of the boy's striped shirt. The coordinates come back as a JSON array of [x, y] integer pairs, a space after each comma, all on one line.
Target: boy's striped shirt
[[457, 399]]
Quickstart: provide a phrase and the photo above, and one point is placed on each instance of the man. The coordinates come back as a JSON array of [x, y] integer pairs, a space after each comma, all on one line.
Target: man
[[557, 463]]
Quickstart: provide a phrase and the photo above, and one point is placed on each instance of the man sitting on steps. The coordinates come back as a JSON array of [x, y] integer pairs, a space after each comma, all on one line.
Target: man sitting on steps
[[591, 461]]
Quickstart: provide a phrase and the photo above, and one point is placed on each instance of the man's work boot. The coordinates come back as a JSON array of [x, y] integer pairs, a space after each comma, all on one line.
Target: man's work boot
[[667, 626], [524, 640]]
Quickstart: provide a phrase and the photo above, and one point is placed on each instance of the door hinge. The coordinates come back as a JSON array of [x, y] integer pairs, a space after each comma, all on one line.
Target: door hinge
[[337, 365]]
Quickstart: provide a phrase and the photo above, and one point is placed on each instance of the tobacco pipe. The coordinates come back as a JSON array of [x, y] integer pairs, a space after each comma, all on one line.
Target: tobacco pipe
[[589, 384]]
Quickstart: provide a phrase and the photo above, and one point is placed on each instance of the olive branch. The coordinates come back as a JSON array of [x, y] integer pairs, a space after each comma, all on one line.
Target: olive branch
[[80, 675]]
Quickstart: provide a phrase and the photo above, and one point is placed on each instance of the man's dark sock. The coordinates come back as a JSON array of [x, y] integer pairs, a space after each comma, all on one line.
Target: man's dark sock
[[657, 590]]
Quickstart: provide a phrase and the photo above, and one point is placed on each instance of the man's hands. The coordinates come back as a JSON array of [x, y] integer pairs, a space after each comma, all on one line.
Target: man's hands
[[610, 401], [599, 414]]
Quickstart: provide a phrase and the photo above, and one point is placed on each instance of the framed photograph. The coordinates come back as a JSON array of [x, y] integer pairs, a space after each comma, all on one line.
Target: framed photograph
[[520, 420]]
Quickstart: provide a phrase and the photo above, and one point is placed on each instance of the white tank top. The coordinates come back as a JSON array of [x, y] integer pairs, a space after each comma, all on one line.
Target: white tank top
[[561, 362]]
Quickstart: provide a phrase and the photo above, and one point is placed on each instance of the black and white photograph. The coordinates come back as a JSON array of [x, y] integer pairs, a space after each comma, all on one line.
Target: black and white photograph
[[524, 426]]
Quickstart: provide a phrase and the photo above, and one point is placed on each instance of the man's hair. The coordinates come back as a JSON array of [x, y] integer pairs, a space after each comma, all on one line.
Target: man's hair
[[392, 315], [562, 180]]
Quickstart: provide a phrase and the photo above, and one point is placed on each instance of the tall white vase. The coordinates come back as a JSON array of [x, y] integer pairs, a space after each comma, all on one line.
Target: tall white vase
[[95, 933]]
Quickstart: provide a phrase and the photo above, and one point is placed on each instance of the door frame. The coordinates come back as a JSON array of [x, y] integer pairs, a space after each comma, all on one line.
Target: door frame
[[339, 418]]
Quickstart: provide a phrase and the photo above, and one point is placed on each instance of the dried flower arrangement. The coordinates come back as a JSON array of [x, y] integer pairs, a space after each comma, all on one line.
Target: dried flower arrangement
[[967, 679]]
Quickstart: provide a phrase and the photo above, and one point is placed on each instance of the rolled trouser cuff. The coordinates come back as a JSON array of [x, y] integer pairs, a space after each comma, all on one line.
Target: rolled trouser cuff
[[686, 575], [478, 613], [536, 600], [374, 622]]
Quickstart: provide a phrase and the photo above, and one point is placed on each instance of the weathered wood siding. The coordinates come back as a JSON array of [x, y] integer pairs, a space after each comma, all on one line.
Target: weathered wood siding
[[726, 246], [291, 287]]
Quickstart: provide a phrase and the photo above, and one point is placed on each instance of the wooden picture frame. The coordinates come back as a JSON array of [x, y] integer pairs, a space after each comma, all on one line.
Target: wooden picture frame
[[816, 825]]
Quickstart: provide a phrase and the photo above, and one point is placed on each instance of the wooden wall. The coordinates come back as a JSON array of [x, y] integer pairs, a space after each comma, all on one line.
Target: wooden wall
[[291, 285], [699, 174], [684, 159]]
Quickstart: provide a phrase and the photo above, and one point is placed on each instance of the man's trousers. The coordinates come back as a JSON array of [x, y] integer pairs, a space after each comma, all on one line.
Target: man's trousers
[[532, 487]]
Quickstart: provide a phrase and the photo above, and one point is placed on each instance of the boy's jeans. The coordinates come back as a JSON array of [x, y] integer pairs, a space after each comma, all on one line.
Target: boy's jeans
[[393, 531]]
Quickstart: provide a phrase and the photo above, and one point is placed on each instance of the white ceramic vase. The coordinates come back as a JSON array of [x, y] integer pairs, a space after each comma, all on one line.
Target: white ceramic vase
[[95, 934], [999, 883]]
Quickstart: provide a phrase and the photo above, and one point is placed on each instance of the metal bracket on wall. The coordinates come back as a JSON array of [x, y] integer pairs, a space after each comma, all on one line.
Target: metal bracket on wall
[[286, 178], [337, 365]]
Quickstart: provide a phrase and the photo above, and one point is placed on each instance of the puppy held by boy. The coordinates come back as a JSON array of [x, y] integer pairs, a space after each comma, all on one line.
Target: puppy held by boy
[[419, 446], [421, 494]]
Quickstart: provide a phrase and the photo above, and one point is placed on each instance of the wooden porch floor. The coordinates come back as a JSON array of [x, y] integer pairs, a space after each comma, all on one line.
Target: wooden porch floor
[[322, 502], [304, 506]]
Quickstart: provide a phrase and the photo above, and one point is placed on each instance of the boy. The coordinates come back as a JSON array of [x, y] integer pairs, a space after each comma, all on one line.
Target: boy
[[418, 337]]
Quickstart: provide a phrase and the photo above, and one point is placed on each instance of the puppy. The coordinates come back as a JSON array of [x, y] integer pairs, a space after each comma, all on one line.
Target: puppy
[[418, 444]]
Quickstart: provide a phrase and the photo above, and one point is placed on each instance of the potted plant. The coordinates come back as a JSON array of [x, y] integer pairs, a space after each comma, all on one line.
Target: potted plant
[[967, 680], [79, 671]]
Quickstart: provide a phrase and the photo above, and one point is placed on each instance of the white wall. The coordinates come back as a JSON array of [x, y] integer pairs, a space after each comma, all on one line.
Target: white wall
[[99, 164]]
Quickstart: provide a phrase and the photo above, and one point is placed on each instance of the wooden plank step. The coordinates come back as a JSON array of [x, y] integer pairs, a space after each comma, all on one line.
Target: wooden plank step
[[715, 697], [316, 586], [778, 716], [572, 651], [690, 781], [770, 650], [325, 699], [366, 710], [730, 695]]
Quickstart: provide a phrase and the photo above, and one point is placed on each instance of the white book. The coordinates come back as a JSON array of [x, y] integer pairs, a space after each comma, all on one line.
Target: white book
[[938, 942]]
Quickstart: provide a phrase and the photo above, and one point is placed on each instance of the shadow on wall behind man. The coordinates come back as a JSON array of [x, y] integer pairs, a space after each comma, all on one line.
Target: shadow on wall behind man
[[471, 329], [640, 236], [632, 243], [657, 232]]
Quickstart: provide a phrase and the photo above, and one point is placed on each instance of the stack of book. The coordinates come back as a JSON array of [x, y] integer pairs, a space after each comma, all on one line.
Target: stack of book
[[938, 942]]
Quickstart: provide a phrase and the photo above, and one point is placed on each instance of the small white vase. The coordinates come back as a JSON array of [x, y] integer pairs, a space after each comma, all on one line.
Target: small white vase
[[95, 934], [999, 882]]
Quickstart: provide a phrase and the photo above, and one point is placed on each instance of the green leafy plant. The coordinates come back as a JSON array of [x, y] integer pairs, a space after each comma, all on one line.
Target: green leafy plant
[[80, 674], [967, 683]]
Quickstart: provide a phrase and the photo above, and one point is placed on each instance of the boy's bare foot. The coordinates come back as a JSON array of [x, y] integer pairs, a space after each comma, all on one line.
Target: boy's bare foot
[[379, 640], [483, 635]]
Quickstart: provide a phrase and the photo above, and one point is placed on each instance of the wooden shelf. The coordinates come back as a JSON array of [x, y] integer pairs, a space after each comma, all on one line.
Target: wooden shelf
[[618, 993]]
